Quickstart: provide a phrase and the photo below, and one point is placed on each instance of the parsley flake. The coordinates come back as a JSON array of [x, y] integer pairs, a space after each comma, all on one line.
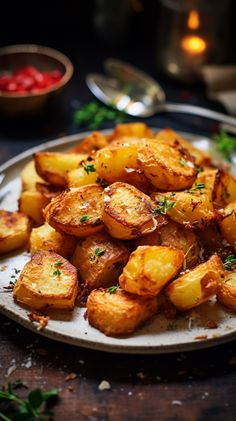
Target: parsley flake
[[225, 144], [84, 218], [229, 261], [57, 272], [89, 168], [99, 252], [112, 289], [197, 186], [164, 206], [182, 161], [58, 264]]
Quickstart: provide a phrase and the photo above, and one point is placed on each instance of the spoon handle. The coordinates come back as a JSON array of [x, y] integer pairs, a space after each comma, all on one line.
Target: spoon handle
[[194, 110]]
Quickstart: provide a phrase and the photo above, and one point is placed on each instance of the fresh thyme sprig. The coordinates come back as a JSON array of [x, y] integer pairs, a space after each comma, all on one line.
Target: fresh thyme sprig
[[112, 289], [229, 261], [89, 168], [197, 186], [164, 206]]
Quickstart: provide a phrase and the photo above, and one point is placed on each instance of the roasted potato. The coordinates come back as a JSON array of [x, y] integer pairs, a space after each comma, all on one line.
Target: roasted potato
[[48, 190], [192, 208], [14, 230], [127, 212], [197, 285], [53, 166], [92, 143], [228, 224], [77, 211], [150, 268], [211, 242], [46, 238], [47, 281], [80, 177], [167, 167], [226, 291], [100, 260], [32, 203], [170, 137], [222, 184], [118, 313], [29, 177], [174, 235], [152, 239], [131, 130]]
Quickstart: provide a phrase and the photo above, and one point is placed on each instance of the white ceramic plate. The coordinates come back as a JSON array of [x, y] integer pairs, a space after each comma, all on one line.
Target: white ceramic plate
[[188, 332]]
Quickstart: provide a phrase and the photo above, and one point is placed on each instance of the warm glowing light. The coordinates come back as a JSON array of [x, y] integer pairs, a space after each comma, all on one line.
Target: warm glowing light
[[193, 44], [193, 20]]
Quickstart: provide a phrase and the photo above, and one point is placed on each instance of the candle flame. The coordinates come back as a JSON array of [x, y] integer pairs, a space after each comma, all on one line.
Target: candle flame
[[193, 20], [193, 44]]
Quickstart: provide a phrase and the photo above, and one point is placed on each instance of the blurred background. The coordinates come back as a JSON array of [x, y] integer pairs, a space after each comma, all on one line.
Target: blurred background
[[137, 31]]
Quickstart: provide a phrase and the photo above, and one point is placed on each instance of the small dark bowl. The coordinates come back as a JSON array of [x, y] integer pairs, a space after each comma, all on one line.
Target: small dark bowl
[[44, 59]]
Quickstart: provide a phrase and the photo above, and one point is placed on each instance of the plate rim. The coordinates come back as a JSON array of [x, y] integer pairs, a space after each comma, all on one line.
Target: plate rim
[[87, 343]]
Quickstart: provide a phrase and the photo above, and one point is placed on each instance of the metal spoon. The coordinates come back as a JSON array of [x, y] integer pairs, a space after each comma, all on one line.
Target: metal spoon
[[132, 91]]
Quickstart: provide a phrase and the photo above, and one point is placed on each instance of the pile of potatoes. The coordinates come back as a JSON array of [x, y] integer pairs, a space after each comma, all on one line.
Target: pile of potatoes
[[131, 223]]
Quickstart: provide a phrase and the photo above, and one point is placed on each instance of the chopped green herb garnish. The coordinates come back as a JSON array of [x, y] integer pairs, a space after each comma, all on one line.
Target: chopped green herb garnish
[[197, 186], [102, 182], [32, 408], [229, 261], [225, 144], [58, 263], [99, 252], [84, 218], [89, 168], [57, 272], [164, 206], [93, 115], [112, 289], [182, 161], [198, 169]]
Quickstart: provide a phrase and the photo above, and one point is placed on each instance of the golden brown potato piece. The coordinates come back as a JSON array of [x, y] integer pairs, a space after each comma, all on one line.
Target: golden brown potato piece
[[211, 242], [226, 292], [152, 239], [92, 143], [150, 268], [127, 212], [170, 137], [222, 185], [192, 208], [32, 203], [131, 130], [228, 224], [14, 230], [53, 166], [168, 168], [118, 313], [47, 281], [46, 238], [29, 177], [100, 260], [196, 286], [174, 235], [80, 177], [77, 211]]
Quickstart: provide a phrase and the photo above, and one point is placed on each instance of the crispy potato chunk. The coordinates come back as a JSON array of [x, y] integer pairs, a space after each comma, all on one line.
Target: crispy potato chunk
[[228, 224], [79, 177], [32, 203], [226, 291], [48, 239], [29, 177], [77, 211], [170, 137], [14, 230], [168, 168], [100, 260], [211, 242], [222, 184], [131, 130], [93, 142], [174, 235], [127, 212], [150, 268], [192, 208], [118, 313], [152, 239], [196, 286], [53, 166], [47, 281]]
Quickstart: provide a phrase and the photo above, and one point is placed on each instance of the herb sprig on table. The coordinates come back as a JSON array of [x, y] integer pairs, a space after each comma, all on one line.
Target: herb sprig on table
[[32, 408], [94, 115], [225, 144]]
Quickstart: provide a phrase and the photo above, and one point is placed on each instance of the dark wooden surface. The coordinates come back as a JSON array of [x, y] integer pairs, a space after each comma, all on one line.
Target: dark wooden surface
[[194, 386]]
